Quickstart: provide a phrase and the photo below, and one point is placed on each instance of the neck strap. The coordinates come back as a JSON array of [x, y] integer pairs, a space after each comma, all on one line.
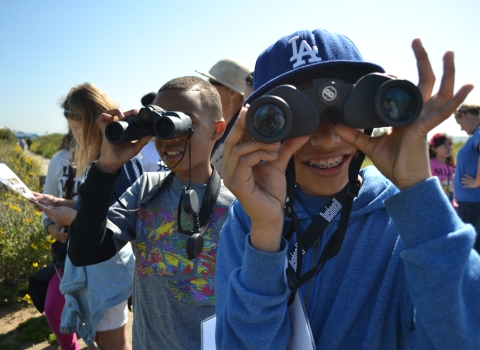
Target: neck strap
[[342, 202], [201, 220]]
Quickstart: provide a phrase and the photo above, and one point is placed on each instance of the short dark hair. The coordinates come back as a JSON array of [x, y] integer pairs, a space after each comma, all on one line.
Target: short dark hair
[[148, 99], [209, 97]]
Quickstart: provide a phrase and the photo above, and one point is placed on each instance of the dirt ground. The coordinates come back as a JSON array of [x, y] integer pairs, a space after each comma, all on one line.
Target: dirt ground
[[12, 316]]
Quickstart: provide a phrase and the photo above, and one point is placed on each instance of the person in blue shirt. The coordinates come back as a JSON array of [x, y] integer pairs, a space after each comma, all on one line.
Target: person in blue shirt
[[467, 176], [405, 276]]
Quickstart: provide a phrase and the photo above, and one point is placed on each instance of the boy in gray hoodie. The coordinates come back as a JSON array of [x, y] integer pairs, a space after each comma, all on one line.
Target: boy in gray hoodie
[[171, 293]]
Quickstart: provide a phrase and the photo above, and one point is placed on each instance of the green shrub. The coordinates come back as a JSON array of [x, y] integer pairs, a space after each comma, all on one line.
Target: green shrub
[[33, 330], [24, 246], [456, 148], [7, 135], [46, 145]]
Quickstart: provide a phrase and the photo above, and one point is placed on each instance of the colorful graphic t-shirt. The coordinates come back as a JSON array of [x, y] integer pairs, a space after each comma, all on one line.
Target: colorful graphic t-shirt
[[172, 294], [445, 174]]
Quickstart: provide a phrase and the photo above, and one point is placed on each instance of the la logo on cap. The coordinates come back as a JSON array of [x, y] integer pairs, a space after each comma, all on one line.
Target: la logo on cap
[[305, 50]]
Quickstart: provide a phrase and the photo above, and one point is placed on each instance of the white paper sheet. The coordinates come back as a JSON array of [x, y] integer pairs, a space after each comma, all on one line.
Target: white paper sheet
[[12, 181], [208, 333], [300, 332]]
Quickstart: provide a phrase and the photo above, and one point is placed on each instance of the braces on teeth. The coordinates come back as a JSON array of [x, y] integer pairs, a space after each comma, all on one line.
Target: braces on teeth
[[331, 163]]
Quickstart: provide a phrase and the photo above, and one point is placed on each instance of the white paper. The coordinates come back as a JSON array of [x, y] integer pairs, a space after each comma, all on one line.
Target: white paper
[[12, 181], [300, 333], [208, 333]]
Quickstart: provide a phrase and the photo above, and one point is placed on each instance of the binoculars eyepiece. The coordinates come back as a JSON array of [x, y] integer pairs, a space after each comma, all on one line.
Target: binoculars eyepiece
[[376, 100], [151, 120]]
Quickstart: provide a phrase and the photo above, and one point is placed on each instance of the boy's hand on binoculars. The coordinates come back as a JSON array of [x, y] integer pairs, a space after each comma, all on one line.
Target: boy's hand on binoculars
[[255, 173], [112, 157], [401, 154]]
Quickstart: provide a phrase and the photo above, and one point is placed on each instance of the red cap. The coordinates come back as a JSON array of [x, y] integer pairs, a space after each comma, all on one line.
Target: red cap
[[434, 139]]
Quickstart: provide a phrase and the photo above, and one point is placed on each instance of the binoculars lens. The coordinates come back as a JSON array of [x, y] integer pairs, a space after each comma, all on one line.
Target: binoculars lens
[[397, 104], [164, 128], [172, 125], [116, 131], [269, 120]]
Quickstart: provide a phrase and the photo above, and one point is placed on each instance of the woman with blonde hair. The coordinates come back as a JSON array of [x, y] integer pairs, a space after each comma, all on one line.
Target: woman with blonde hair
[[83, 104], [467, 176], [96, 296]]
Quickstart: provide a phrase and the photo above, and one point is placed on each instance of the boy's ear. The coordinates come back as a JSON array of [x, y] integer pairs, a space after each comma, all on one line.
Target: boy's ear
[[219, 129]]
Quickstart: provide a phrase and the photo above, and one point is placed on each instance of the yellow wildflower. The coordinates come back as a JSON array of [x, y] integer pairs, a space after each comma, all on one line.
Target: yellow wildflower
[[34, 246], [28, 299], [14, 207], [35, 264], [28, 221]]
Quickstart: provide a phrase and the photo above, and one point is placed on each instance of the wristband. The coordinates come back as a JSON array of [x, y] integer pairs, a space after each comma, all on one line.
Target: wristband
[[47, 221]]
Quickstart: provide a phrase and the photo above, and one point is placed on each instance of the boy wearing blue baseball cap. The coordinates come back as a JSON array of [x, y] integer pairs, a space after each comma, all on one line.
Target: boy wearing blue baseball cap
[[375, 266]]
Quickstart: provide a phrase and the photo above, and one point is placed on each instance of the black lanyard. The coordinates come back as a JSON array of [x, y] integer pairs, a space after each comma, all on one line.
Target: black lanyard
[[343, 201], [194, 243], [206, 209]]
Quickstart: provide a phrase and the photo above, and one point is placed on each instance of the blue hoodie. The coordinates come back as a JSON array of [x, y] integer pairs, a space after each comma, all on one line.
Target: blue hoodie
[[406, 276]]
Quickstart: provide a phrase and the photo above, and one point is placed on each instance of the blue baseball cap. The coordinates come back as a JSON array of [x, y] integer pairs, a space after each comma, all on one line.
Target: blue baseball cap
[[306, 55]]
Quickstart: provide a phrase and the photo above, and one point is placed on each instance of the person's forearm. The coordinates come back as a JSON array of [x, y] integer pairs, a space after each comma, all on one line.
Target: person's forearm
[[249, 296], [477, 178], [66, 202], [439, 290], [267, 240], [90, 241]]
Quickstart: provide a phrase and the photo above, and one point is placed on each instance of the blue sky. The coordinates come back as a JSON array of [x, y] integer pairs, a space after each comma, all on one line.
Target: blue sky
[[129, 48]]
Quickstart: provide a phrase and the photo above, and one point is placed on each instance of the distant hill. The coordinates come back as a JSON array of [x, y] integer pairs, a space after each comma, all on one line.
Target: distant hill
[[21, 134]]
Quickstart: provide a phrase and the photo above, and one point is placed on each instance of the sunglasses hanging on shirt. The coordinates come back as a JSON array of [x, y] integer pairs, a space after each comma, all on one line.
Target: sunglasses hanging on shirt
[[189, 203]]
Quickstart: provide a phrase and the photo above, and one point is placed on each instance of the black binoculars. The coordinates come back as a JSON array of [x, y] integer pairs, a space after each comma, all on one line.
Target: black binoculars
[[374, 101], [151, 120]]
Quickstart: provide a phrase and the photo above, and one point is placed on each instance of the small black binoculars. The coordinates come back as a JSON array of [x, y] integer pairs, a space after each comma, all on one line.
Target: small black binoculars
[[374, 101], [150, 120]]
